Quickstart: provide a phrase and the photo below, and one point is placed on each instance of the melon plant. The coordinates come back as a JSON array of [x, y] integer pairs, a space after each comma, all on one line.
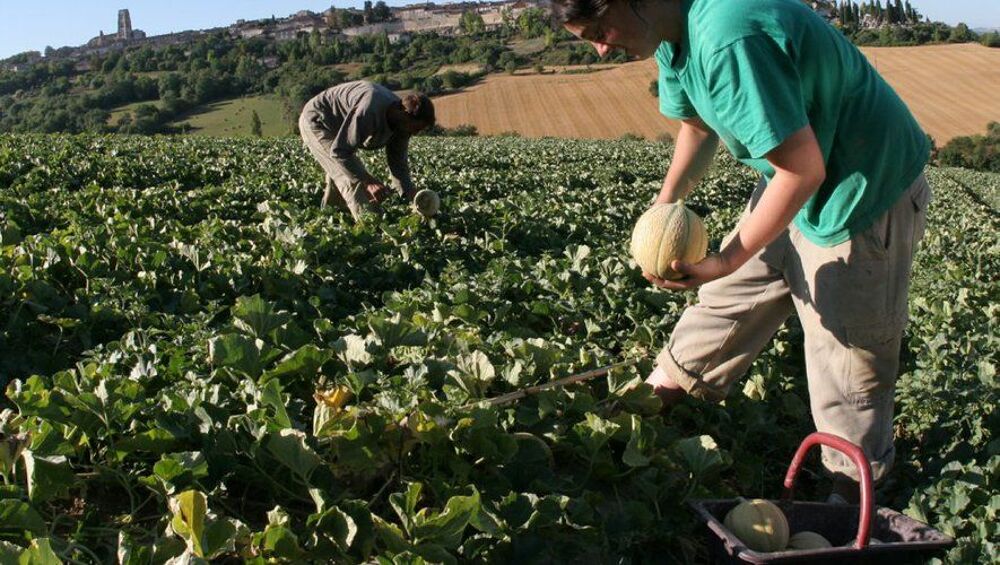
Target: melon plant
[[808, 540], [665, 233], [427, 202], [759, 524]]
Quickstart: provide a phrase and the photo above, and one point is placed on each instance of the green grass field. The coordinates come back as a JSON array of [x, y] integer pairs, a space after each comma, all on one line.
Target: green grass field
[[117, 113], [232, 117]]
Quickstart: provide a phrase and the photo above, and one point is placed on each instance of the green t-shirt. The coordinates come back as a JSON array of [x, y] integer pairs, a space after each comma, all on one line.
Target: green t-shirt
[[757, 71]]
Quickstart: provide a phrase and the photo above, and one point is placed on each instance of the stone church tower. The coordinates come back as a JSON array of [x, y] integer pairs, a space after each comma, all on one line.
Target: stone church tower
[[124, 25]]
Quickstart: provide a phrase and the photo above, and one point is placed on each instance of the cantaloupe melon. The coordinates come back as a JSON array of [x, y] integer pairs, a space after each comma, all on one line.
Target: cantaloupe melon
[[808, 540], [759, 524], [427, 202], [665, 233]]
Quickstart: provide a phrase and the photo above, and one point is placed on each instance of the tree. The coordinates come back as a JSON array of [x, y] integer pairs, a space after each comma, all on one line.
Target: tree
[[256, 128], [381, 12], [471, 22], [960, 34], [368, 11]]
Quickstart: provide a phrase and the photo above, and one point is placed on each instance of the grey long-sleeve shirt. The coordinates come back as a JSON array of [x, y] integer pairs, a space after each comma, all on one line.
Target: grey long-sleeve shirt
[[355, 115]]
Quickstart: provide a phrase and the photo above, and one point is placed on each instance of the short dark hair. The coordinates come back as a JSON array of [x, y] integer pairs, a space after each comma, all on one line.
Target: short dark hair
[[420, 108], [564, 11]]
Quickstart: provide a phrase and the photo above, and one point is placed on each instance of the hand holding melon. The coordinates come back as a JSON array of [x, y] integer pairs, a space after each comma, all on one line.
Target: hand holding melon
[[666, 233]]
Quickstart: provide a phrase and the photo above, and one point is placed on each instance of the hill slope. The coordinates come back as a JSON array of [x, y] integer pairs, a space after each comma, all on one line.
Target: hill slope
[[952, 90]]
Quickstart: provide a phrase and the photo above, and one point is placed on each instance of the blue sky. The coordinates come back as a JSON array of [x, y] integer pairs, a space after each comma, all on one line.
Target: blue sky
[[31, 25]]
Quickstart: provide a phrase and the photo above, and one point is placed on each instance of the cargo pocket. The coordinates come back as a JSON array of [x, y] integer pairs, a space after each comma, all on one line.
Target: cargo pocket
[[873, 361]]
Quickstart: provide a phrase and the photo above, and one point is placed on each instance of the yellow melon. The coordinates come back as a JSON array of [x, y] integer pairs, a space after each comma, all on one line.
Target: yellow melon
[[665, 233], [808, 540], [759, 524]]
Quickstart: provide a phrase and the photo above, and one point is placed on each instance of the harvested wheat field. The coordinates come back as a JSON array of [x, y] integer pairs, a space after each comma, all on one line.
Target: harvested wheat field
[[950, 88]]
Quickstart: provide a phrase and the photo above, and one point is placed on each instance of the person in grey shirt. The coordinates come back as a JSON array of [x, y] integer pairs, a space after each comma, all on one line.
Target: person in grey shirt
[[339, 121]]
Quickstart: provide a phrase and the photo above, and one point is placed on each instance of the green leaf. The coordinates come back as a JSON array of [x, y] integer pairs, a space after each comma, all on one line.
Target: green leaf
[[289, 447], [353, 350], [236, 352], [390, 535], [641, 400], [595, 432], [281, 542], [336, 523], [304, 362], [405, 504], [179, 470], [48, 477], [39, 553], [395, 332], [474, 373], [640, 442], [18, 517], [701, 455], [271, 396], [190, 509], [156, 440], [258, 317], [447, 527], [220, 537]]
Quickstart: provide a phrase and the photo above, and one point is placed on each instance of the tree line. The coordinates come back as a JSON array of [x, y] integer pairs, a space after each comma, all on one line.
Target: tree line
[[165, 84]]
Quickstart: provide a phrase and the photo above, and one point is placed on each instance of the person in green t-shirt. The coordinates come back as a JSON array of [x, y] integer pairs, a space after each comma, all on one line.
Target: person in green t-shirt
[[830, 232]]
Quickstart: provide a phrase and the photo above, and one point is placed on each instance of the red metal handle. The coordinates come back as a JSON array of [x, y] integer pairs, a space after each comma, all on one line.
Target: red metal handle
[[864, 470]]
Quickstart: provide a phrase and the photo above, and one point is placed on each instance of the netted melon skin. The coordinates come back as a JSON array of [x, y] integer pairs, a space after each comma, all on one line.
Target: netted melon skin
[[427, 202], [665, 233]]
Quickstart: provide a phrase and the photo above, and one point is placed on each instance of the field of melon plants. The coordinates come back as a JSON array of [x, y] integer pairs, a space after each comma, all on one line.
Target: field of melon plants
[[199, 364]]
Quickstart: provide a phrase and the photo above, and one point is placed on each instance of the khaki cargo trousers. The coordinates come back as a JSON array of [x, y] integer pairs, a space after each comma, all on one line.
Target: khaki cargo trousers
[[851, 300], [340, 190]]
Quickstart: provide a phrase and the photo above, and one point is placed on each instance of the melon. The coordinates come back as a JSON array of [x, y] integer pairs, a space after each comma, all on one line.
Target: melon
[[665, 233], [808, 540], [427, 202], [759, 524]]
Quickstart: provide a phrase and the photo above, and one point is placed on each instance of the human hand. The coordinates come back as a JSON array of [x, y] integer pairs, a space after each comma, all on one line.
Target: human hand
[[708, 269], [377, 192]]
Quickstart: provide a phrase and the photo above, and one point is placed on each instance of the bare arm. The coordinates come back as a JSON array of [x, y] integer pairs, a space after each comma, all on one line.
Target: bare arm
[[799, 171], [399, 168], [693, 153]]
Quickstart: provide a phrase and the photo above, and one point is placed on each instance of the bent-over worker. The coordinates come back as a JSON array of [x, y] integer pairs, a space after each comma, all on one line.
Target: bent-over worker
[[346, 118]]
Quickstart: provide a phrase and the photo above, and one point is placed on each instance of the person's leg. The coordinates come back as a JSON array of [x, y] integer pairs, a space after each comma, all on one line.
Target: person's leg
[[332, 195], [716, 340], [348, 194], [852, 301]]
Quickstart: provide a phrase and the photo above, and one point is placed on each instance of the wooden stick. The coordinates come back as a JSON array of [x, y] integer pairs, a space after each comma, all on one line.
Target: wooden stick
[[580, 377]]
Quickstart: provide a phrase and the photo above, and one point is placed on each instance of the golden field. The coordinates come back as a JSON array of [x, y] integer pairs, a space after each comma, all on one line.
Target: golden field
[[952, 89]]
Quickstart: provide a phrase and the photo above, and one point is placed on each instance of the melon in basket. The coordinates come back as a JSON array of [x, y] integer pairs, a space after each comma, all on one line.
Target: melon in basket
[[759, 524], [665, 233], [808, 540]]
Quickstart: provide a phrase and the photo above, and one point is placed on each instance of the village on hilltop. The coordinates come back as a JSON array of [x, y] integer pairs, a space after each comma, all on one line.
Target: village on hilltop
[[398, 23]]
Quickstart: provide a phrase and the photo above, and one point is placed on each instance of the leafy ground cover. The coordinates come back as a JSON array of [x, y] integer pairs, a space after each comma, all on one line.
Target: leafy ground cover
[[200, 364]]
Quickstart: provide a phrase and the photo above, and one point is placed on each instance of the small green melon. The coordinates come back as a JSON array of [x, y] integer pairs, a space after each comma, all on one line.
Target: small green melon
[[808, 540], [760, 524]]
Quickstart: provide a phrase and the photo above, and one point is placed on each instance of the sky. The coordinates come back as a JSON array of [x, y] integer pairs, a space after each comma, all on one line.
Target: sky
[[34, 24]]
